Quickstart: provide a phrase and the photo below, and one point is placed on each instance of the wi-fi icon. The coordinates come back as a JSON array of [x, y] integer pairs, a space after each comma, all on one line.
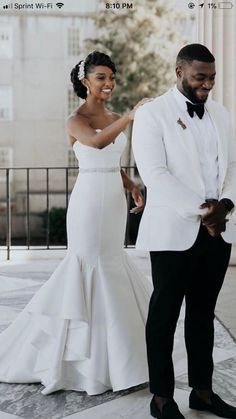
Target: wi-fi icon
[[59, 5]]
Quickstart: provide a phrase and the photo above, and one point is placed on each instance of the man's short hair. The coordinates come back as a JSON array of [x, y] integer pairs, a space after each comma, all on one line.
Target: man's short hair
[[194, 52]]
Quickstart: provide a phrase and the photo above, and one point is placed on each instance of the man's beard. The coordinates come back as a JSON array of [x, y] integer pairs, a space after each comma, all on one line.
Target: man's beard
[[190, 93]]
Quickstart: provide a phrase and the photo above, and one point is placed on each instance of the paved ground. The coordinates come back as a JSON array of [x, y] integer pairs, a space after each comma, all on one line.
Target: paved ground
[[226, 305], [20, 279]]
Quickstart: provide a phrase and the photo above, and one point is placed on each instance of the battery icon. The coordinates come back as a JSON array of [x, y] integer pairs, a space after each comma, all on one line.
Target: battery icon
[[225, 5]]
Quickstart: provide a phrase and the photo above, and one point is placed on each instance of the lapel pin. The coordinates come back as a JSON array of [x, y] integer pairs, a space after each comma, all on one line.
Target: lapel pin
[[180, 122]]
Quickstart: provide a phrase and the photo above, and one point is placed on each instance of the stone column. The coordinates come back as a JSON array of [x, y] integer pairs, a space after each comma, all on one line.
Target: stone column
[[217, 30]]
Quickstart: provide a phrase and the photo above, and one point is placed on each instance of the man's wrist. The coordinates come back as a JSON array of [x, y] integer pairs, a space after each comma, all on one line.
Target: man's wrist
[[229, 205]]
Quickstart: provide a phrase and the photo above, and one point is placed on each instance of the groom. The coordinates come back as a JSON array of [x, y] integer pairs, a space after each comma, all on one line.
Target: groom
[[186, 155]]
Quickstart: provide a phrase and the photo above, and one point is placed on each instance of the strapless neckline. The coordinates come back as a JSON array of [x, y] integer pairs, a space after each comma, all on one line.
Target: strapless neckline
[[96, 129]]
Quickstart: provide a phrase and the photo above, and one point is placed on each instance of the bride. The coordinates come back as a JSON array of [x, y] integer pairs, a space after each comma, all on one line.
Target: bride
[[84, 329]]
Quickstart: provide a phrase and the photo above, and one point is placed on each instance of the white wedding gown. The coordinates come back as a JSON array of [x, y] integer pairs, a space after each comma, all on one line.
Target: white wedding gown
[[85, 328]]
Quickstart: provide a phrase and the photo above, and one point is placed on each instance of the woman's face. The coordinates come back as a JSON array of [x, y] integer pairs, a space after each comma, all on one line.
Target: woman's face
[[101, 82]]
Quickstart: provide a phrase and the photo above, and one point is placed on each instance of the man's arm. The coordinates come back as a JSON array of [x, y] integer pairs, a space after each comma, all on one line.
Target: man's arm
[[217, 215], [150, 155], [229, 186]]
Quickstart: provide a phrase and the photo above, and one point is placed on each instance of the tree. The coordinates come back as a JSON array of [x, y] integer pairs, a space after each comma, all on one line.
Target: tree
[[143, 42]]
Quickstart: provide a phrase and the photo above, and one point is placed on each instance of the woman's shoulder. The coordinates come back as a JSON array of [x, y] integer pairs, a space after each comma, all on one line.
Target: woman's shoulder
[[76, 122], [77, 117]]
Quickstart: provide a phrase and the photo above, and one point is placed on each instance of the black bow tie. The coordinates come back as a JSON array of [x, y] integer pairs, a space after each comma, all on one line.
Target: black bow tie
[[199, 109]]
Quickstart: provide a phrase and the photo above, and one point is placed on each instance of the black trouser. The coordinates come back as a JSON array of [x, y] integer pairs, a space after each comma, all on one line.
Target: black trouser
[[197, 274]]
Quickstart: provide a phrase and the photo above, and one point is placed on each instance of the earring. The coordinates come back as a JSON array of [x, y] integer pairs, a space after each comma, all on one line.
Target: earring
[[88, 91]]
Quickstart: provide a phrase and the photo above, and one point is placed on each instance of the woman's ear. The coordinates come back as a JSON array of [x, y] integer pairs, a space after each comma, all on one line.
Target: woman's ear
[[84, 83]]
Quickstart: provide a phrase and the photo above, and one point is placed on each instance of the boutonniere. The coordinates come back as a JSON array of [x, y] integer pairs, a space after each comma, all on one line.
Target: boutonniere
[[180, 122]]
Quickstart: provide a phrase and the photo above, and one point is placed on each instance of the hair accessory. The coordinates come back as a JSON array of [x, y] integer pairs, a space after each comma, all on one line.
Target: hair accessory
[[81, 73]]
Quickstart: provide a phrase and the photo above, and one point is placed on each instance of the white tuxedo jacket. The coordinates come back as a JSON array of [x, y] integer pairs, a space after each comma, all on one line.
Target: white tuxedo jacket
[[168, 163]]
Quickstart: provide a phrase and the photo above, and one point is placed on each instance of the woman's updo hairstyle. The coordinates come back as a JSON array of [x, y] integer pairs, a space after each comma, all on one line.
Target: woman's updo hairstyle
[[92, 60]]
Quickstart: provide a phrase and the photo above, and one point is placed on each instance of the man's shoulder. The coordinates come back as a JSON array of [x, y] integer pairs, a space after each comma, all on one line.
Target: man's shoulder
[[156, 104], [219, 112], [216, 106]]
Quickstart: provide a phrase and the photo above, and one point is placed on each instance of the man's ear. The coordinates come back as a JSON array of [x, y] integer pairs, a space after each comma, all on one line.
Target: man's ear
[[179, 71]]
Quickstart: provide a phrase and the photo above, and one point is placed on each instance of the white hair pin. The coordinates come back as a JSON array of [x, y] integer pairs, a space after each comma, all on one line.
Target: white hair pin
[[81, 73]]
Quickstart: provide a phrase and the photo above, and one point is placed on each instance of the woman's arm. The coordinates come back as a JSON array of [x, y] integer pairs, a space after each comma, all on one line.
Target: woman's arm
[[135, 192], [127, 182], [79, 129]]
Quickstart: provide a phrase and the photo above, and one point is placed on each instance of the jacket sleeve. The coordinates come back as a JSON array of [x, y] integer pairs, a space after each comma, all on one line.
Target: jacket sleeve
[[151, 159], [229, 186]]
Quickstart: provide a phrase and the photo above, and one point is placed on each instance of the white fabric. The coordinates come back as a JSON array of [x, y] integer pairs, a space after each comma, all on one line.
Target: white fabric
[[168, 162], [85, 328], [205, 137]]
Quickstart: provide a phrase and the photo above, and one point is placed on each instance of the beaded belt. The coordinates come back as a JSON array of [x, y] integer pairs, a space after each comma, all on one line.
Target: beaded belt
[[99, 170]]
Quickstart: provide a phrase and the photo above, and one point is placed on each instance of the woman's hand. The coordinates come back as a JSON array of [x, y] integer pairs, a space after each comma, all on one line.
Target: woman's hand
[[138, 199], [140, 103]]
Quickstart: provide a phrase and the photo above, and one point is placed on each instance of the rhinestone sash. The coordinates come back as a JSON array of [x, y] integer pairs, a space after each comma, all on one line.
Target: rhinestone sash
[[99, 170]]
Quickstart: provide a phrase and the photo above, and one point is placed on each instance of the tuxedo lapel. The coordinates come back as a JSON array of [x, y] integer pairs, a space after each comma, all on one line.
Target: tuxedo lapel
[[184, 134]]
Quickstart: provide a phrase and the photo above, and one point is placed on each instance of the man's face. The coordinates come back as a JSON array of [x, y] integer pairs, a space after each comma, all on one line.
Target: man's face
[[195, 80]]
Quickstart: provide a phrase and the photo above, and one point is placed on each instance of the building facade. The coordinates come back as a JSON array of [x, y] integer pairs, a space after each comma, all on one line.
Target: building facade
[[38, 49]]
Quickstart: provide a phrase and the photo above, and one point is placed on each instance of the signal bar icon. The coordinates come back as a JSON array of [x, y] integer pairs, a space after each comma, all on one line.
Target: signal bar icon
[[201, 5], [8, 6]]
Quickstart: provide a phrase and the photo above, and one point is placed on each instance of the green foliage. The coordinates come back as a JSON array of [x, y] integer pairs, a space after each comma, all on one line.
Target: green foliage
[[57, 225], [142, 42]]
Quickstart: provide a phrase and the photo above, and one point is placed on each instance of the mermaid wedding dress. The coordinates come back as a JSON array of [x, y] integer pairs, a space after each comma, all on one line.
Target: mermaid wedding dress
[[84, 329]]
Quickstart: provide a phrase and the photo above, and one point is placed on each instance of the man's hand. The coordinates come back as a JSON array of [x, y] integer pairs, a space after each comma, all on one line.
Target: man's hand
[[216, 229], [215, 218], [138, 199]]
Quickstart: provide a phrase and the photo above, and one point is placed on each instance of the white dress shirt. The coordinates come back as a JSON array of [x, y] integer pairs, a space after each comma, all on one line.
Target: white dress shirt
[[205, 136]]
